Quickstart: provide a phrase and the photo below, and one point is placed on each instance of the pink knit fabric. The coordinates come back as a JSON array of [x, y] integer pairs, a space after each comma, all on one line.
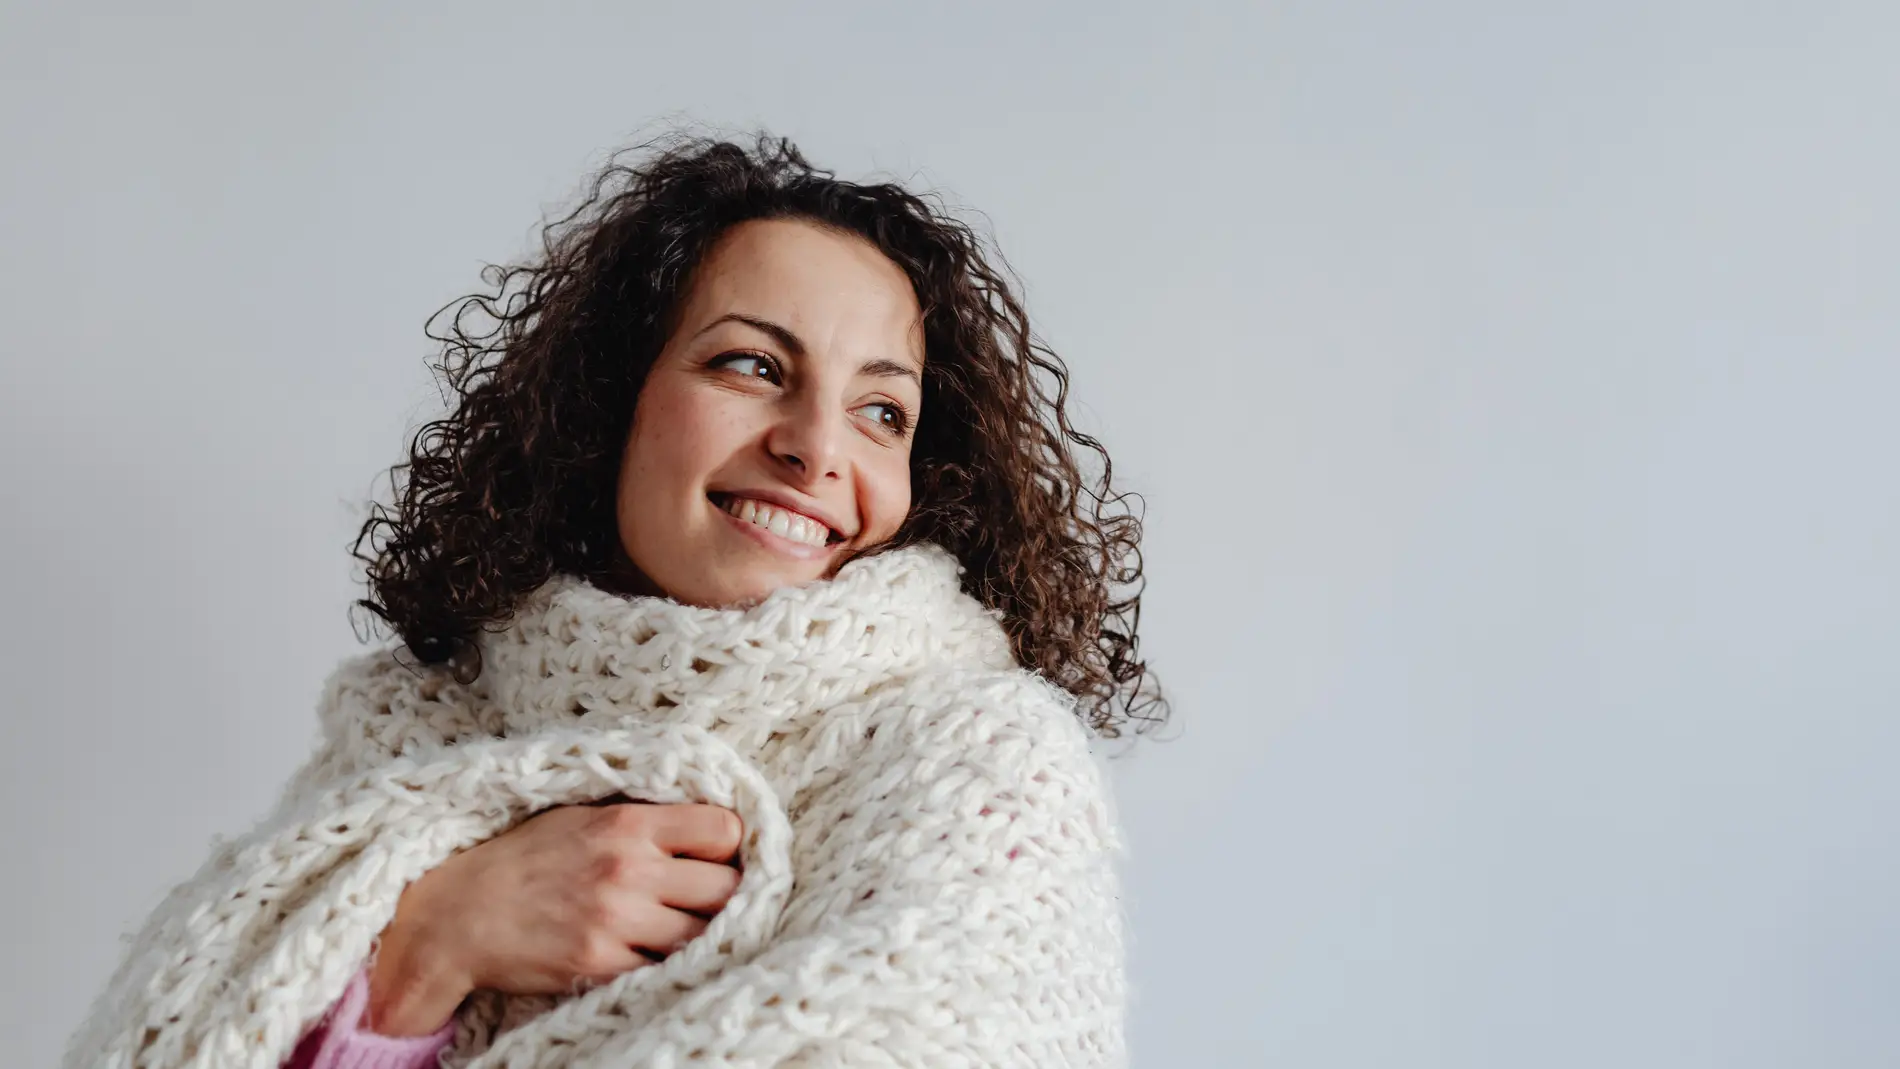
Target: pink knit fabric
[[339, 1041]]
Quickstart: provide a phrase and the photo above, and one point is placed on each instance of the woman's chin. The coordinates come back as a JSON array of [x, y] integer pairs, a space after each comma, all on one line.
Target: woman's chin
[[743, 587]]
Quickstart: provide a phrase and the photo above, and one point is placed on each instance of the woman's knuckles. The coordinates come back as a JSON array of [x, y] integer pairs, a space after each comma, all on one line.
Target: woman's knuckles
[[598, 914], [625, 821], [613, 866], [623, 852]]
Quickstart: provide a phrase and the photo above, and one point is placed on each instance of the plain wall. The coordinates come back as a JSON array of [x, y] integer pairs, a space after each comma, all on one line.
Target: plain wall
[[1513, 388]]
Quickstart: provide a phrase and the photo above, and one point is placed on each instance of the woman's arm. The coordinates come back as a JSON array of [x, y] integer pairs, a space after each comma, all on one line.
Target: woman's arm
[[575, 896], [546, 894], [341, 1040], [274, 926], [959, 907]]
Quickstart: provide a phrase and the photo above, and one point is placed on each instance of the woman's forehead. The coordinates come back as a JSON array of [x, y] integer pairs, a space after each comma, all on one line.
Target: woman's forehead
[[827, 287]]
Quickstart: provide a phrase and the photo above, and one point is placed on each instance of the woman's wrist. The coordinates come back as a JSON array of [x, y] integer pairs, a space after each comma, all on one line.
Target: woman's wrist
[[414, 988]]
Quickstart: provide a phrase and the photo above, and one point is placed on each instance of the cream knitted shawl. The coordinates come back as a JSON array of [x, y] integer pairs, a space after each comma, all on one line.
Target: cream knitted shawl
[[928, 859]]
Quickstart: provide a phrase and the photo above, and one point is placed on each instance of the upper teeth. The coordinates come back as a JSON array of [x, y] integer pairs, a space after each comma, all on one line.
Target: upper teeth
[[782, 522]]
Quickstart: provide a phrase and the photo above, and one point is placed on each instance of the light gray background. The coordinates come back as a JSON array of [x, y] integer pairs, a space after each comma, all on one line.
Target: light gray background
[[1513, 387]]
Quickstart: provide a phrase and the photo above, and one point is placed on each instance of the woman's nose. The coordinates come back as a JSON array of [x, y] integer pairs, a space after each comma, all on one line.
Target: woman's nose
[[809, 442]]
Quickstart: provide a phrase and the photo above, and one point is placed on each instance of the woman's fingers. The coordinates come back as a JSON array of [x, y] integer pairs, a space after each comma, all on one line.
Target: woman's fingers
[[606, 959], [576, 893], [658, 928], [695, 886], [706, 832]]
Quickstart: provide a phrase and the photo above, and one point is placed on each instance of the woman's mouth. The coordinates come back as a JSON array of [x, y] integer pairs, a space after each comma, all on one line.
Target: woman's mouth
[[783, 522]]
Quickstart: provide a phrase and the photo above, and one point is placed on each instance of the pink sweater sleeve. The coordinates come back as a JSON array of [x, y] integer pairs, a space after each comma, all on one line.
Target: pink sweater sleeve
[[339, 1041]]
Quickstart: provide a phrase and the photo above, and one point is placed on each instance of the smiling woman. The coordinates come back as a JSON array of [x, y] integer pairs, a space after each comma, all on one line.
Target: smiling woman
[[772, 439], [752, 613], [528, 477]]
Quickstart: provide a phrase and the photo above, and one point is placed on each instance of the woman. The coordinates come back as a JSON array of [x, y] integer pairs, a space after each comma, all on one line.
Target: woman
[[754, 610]]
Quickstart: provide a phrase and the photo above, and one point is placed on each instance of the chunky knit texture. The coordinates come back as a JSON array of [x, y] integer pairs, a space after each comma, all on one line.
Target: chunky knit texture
[[929, 856]]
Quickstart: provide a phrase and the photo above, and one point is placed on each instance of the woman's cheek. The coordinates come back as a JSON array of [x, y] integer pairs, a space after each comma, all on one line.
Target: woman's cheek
[[686, 436], [888, 501]]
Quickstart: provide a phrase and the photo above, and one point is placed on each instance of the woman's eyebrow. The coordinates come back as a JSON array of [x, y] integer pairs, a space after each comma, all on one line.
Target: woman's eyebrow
[[889, 369], [780, 333], [880, 368]]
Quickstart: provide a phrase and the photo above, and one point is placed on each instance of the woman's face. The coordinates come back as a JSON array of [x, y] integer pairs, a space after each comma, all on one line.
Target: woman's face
[[772, 439]]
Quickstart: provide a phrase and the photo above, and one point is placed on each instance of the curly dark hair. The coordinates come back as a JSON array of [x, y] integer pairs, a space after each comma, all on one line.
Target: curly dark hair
[[517, 482]]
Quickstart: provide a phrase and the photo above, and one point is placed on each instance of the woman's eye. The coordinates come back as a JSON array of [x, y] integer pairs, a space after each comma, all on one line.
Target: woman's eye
[[889, 416], [751, 365]]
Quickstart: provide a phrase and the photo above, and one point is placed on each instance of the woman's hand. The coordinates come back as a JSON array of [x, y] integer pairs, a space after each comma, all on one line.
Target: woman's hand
[[572, 895]]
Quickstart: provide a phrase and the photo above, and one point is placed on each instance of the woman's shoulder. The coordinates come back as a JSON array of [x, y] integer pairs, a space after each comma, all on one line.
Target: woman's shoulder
[[362, 685], [1008, 735], [1010, 708], [385, 702]]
